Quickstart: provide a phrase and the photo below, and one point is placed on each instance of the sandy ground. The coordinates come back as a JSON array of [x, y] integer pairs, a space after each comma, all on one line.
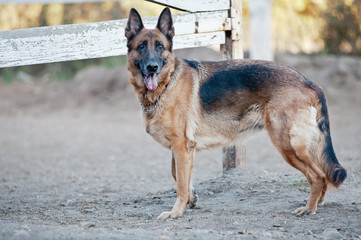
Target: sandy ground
[[76, 163]]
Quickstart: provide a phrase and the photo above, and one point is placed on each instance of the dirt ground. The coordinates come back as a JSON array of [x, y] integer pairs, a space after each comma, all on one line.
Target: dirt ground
[[76, 163]]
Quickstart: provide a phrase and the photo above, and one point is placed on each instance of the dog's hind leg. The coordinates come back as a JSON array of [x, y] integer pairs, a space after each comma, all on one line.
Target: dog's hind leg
[[315, 177], [193, 197], [174, 173], [293, 132], [324, 190]]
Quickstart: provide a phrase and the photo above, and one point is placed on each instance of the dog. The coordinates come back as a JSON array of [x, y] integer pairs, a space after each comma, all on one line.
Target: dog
[[192, 105]]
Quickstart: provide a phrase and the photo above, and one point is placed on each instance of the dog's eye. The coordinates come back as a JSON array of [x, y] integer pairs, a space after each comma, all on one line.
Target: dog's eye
[[159, 45], [142, 45]]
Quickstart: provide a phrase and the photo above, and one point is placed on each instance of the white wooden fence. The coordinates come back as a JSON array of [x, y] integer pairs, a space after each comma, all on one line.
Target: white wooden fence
[[208, 22]]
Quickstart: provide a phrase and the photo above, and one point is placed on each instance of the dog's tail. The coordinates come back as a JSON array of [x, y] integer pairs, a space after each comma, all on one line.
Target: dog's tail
[[335, 173]]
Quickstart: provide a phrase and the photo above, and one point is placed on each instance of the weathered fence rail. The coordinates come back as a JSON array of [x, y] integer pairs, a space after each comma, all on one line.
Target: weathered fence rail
[[102, 39], [208, 22]]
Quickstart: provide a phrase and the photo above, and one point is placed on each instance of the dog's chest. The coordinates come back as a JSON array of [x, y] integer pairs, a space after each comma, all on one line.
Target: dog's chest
[[159, 131]]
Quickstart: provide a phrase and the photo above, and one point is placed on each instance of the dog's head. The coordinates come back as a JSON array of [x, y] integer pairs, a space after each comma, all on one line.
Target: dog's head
[[150, 56]]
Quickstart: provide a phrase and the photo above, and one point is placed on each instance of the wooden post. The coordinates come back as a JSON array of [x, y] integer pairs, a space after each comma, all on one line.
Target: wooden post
[[234, 157]]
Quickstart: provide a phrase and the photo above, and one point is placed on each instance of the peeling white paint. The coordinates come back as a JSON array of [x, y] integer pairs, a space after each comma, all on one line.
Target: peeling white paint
[[101, 39]]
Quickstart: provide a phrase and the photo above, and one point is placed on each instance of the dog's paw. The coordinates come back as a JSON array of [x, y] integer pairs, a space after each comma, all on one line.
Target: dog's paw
[[321, 202], [193, 201], [164, 215], [304, 210], [172, 214]]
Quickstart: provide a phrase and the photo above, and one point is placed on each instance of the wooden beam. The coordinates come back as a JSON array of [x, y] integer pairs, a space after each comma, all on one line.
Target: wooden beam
[[195, 5], [236, 22], [234, 157], [185, 5], [102, 39]]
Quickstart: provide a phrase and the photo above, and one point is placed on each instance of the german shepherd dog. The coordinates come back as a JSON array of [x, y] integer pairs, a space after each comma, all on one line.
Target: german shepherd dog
[[193, 105]]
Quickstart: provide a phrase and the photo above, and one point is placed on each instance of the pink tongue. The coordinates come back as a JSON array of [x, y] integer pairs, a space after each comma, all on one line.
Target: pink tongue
[[151, 81]]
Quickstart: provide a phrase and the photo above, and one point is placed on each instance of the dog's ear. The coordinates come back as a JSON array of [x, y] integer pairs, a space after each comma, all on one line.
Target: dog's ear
[[165, 23], [134, 25]]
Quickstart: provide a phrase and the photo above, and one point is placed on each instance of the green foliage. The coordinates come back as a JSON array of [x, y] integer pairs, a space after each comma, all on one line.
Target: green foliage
[[300, 183], [7, 75]]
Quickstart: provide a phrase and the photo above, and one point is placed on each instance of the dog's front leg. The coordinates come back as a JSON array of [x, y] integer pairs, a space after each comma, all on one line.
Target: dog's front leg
[[183, 167]]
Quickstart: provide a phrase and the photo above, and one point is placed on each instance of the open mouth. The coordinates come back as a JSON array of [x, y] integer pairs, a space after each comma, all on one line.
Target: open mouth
[[150, 81]]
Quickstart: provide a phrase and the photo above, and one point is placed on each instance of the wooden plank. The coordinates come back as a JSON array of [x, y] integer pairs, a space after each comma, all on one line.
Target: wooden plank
[[195, 5], [57, 49], [198, 40], [102, 39], [185, 5], [61, 43], [198, 22]]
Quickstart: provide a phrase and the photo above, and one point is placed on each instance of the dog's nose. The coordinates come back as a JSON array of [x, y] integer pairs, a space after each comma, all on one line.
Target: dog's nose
[[152, 68]]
